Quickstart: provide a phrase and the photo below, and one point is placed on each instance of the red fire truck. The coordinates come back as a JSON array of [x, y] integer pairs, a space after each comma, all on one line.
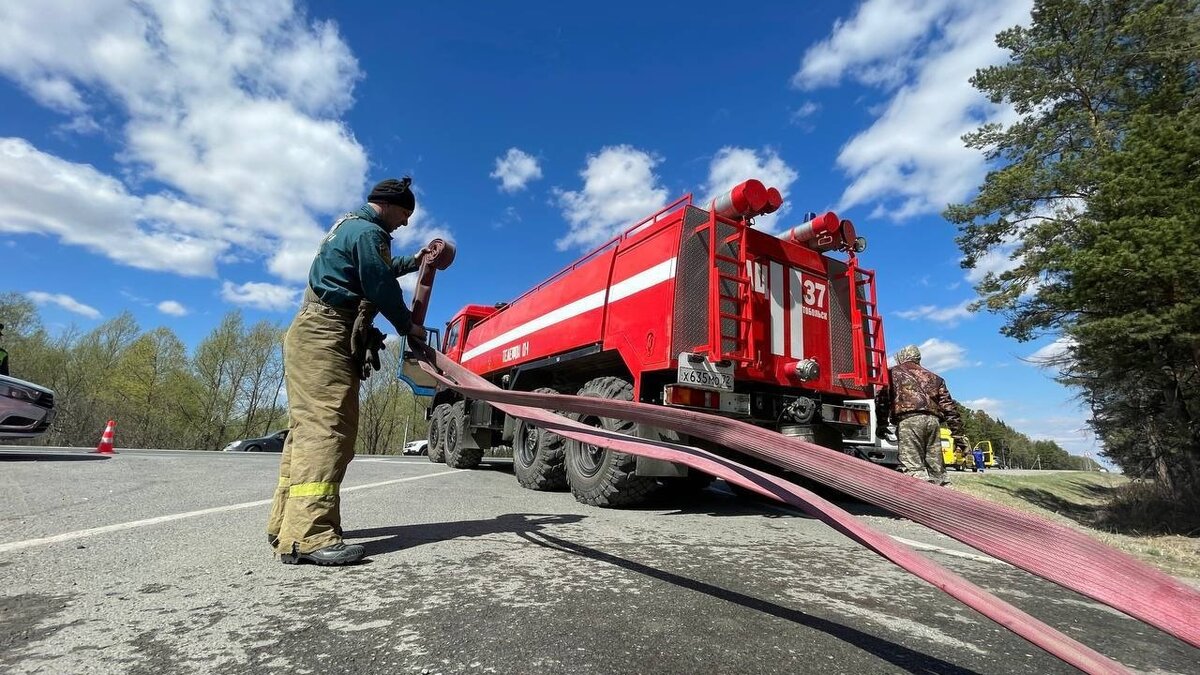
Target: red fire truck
[[690, 307]]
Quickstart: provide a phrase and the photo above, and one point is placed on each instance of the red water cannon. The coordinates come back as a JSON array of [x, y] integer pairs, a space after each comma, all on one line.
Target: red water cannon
[[827, 232], [747, 200]]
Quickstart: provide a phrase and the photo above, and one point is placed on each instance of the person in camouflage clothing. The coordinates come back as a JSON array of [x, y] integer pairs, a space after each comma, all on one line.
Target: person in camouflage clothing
[[917, 401]]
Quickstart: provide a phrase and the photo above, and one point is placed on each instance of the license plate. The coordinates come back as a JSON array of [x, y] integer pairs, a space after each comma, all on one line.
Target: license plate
[[702, 373]]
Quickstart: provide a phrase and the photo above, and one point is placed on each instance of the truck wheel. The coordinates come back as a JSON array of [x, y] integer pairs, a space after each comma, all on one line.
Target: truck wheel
[[600, 477], [538, 455], [457, 456], [437, 424]]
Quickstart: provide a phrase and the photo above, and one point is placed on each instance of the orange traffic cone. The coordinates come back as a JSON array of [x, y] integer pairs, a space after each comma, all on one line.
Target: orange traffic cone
[[106, 441]]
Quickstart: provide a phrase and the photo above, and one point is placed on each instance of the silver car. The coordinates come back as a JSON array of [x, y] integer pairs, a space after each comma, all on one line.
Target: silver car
[[26, 409]]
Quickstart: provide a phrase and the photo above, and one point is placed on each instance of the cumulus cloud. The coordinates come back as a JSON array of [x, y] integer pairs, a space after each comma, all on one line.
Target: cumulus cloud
[[619, 188], [941, 355], [172, 307], [43, 194], [991, 406], [731, 166], [64, 301], [269, 297], [234, 108], [949, 316], [516, 169], [911, 160]]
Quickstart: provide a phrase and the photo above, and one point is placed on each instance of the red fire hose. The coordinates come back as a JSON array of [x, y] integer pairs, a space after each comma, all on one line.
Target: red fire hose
[[1043, 548]]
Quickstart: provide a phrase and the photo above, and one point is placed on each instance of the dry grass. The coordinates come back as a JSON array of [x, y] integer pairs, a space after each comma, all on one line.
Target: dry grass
[[1134, 517]]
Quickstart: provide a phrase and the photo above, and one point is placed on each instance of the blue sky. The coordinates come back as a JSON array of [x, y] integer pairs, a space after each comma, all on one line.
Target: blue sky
[[180, 159]]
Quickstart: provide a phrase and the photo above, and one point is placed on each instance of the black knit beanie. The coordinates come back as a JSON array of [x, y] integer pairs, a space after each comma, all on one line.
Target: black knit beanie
[[392, 191]]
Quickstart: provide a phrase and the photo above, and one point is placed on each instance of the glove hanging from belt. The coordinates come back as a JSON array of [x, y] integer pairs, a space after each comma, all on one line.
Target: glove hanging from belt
[[366, 341]]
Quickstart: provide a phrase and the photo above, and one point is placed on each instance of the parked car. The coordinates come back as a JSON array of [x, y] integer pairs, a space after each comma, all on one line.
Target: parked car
[[272, 443], [420, 447], [26, 409]]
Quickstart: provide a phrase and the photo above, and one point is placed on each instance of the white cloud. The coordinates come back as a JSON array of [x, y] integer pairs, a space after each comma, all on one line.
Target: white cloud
[[43, 194], [731, 166], [172, 308], [516, 169], [619, 188], [65, 301], [991, 406], [806, 110], [874, 45], [1054, 354], [949, 316], [235, 108], [258, 295], [911, 160], [941, 355]]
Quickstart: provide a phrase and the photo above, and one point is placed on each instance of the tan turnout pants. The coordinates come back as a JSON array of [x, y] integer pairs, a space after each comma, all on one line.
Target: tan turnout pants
[[921, 448], [322, 391]]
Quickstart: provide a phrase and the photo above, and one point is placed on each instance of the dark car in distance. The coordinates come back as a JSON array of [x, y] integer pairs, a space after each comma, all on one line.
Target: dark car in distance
[[272, 443]]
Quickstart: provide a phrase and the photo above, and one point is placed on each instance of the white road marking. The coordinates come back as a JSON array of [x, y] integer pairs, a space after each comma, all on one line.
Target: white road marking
[[79, 534]]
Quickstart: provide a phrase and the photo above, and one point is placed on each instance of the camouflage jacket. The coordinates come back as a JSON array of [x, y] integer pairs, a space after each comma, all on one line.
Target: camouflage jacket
[[913, 389]]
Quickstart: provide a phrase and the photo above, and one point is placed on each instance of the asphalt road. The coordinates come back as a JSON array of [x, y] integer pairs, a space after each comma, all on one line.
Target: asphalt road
[[155, 562]]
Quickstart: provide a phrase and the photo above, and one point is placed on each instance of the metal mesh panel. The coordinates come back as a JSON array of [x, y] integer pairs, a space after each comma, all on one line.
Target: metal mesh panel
[[690, 327], [840, 340], [840, 336]]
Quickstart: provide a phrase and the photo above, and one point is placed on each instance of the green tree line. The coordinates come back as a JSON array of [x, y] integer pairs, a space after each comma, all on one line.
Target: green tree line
[[1094, 198], [1016, 450], [163, 396]]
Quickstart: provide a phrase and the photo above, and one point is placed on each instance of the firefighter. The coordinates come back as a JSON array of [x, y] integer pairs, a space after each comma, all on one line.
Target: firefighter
[[326, 352], [918, 403]]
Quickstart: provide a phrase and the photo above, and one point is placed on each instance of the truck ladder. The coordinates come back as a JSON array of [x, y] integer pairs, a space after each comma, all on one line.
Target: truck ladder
[[866, 329], [742, 315]]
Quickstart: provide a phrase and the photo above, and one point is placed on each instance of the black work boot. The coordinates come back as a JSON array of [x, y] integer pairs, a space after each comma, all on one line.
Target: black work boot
[[336, 554], [272, 539]]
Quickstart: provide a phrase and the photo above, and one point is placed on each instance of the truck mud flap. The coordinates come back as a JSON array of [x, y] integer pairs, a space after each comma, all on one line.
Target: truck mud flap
[[1050, 551]]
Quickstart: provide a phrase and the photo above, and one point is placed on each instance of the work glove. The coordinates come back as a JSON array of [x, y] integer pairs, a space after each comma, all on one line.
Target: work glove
[[366, 341]]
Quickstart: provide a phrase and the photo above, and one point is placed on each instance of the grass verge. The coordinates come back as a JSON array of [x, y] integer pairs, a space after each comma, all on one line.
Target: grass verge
[[1097, 503]]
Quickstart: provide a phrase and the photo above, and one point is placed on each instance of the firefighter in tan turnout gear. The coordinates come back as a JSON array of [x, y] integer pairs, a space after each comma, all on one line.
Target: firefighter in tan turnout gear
[[330, 346], [917, 401]]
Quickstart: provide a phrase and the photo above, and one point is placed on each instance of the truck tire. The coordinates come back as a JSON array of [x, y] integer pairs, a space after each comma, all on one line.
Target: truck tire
[[600, 477], [538, 455], [437, 425], [457, 456]]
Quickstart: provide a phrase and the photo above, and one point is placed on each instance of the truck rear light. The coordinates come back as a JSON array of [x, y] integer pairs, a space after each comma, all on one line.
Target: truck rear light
[[675, 394], [744, 200]]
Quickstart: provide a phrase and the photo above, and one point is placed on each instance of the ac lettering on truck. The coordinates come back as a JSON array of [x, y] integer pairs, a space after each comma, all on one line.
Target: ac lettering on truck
[[515, 352]]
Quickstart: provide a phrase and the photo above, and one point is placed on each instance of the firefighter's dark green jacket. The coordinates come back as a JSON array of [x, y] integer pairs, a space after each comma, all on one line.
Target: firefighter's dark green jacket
[[355, 262]]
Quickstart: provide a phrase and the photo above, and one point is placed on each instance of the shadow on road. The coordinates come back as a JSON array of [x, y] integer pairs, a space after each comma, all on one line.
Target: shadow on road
[[902, 657], [47, 457], [399, 537]]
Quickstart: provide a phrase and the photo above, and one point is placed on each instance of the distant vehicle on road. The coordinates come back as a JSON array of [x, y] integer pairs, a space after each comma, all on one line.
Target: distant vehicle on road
[[26, 409], [272, 443], [420, 447]]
